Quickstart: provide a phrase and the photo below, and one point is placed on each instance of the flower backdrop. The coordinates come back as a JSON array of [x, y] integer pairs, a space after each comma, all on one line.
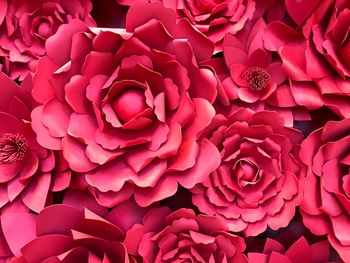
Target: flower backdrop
[[162, 131]]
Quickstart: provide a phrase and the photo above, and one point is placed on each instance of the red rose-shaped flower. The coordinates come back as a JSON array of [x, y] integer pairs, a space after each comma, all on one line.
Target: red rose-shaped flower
[[182, 236], [213, 18], [326, 205], [27, 170], [141, 99], [259, 180], [300, 251], [62, 233], [316, 59], [25, 26]]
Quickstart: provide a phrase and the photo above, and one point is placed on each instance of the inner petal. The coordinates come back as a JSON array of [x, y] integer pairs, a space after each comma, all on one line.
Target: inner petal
[[129, 104]]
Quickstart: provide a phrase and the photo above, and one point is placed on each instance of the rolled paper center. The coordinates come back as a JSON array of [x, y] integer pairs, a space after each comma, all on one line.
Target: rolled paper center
[[44, 29], [248, 170], [256, 78], [129, 104], [12, 148]]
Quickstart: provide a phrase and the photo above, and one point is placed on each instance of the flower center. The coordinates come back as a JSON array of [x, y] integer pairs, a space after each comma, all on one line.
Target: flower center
[[44, 30], [256, 78], [129, 104], [12, 148]]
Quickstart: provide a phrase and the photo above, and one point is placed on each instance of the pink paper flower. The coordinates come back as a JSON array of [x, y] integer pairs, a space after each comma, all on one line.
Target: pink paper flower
[[326, 202], [28, 172], [316, 58], [62, 233], [252, 76], [300, 251], [182, 236], [139, 96], [259, 181], [26, 25], [212, 18]]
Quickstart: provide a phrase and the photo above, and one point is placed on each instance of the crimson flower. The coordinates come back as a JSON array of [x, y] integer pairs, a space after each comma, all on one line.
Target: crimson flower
[[26, 25], [326, 202], [260, 180], [182, 236], [139, 96]]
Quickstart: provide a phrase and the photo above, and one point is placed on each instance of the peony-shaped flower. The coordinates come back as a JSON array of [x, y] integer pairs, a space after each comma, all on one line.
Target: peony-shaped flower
[[325, 206], [62, 233], [213, 18], [259, 181], [26, 25], [316, 58], [141, 98], [300, 251], [28, 172], [182, 236]]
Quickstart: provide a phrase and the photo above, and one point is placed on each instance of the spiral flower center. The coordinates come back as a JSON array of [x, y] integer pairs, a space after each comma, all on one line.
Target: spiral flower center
[[129, 104], [44, 29], [12, 148], [256, 78]]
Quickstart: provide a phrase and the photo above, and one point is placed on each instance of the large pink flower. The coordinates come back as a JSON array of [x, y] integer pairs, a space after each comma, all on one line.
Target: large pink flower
[[259, 181], [326, 204], [142, 99], [300, 251], [25, 26], [316, 59], [28, 172], [62, 233], [182, 236], [213, 18]]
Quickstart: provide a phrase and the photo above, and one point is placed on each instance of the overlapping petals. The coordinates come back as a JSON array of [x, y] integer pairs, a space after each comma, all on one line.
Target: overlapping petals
[[181, 236], [25, 26], [62, 233], [300, 251], [28, 172], [259, 181], [325, 207], [139, 96], [253, 76], [316, 58], [212, 18]]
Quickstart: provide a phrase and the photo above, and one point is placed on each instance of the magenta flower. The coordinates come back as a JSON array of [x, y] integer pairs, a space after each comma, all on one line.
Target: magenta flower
[[26, 25], [139, 96], [300, 251], [180, 236], [326, 197], [316, 59], [28, 172], [62, 233], [213, 18], [260, 179]]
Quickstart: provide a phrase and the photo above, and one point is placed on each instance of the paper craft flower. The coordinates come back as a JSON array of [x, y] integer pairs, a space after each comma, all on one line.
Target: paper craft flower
[[253, 75], [62, 233], [259, 180], [180, 236], [28, 171], [326, 197], [139, 96], [26, 25], [212, 18], [300, 251], [315, 59]]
